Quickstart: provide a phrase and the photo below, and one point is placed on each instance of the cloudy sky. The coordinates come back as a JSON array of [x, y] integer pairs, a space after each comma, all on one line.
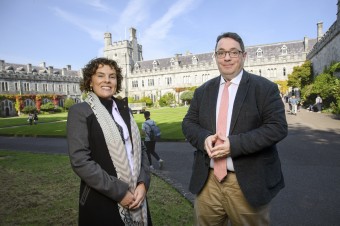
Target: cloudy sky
[[71, 32]]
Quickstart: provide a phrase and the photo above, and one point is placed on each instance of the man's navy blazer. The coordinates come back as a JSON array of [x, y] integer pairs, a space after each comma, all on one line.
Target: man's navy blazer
[[258, 122]]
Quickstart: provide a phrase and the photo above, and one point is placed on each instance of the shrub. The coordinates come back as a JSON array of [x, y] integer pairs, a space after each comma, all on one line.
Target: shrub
[[48, 107], [68, 103], [29, 109]]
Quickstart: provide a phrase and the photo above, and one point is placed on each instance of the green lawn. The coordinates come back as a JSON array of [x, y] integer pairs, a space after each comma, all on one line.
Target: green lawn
[[168, 119], [41, 189]]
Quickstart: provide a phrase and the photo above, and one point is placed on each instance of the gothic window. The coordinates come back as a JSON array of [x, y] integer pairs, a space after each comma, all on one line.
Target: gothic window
[[44, 87], [260, 72], [284, 50], [194, 60], [142, 83], [29, 102], [16, 85], [151, 82], [26, 86], [186, 79], [259, 52], [205, 77], [135, 84], [284, 71], [168, 81], [137, 66], [4, 86], [60, 88]]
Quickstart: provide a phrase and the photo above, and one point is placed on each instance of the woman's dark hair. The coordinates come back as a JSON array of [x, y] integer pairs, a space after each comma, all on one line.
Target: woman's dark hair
[[231, 35], [90, 69]]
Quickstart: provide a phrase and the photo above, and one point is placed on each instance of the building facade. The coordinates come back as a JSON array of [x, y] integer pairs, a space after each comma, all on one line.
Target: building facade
[[154, 78], [327, 50], [36, 85]]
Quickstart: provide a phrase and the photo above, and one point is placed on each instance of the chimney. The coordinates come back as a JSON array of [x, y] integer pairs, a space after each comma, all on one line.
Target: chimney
[[63, 71], [319, 25], [50, 70], [2, 65], [29, 68], [68, 67], [43, 65], [305, 43]]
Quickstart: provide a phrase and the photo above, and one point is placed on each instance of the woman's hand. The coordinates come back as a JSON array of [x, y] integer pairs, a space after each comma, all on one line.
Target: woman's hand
[[139, 196], [128, 199]]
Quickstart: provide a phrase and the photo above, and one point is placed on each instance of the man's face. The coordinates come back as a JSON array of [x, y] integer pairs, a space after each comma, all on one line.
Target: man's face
[[229, 67]]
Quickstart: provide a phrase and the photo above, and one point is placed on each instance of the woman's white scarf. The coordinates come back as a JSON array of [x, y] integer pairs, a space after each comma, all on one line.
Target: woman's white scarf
[[119, 157]]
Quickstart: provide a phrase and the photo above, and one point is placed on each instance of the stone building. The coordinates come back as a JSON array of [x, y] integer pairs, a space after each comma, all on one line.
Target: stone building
[[327, 49], [156, 77], [36, 85]]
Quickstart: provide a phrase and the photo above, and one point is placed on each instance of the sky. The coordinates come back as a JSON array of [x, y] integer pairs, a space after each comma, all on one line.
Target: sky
[[71, 32]]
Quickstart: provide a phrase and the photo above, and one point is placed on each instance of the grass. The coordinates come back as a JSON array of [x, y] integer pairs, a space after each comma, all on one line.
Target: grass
[[41, 189], [168, 119]]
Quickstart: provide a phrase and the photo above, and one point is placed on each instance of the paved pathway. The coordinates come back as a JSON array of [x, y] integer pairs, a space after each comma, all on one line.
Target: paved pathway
[[310, 156]]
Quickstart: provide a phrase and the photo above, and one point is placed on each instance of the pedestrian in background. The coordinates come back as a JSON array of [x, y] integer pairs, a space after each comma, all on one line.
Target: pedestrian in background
[[106, 152], [235, 121], [318, 103], [150, 141]]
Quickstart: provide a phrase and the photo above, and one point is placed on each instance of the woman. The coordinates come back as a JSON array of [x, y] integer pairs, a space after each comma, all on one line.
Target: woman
[[106, 152]]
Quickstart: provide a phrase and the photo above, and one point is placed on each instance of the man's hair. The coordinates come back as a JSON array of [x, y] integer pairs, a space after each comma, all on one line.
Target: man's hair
[[147, 114], [90, 69], [231, 35]]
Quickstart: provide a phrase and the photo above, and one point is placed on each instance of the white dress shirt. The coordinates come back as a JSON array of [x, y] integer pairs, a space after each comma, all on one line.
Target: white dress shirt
[[128, 145]]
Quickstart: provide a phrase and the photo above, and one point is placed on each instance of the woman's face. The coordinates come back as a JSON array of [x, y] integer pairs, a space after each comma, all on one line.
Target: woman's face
[[104, 82]]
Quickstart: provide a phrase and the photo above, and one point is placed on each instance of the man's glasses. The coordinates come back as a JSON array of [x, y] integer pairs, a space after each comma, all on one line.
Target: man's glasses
[[232, 54]]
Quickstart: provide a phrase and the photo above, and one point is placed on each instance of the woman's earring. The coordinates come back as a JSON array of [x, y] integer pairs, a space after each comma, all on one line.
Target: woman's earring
[[91, 88]]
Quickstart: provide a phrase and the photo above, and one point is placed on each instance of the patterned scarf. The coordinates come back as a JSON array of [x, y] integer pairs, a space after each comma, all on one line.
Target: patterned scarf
[[119, 157]]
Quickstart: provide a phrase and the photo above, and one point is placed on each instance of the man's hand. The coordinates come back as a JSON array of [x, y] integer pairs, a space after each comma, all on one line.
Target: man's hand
[[209, 143], [217, 147]]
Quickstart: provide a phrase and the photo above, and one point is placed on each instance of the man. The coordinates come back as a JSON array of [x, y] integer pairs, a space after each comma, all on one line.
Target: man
[[246, 145], [149, 141]]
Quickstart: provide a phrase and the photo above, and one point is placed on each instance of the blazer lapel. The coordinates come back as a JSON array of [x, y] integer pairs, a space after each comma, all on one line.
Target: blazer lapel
[[211, 106], [239, 99]]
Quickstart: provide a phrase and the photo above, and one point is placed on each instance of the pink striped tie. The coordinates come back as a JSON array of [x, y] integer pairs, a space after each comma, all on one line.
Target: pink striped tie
[[220, 165]]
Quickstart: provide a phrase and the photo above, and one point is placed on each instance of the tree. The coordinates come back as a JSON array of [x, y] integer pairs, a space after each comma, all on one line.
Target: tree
[[301, 75], [187, 96], [167, 99], [69, 102], [147, 100]]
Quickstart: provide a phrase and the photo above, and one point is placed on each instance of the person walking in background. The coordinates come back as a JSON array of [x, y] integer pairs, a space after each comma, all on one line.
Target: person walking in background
[[30, 119], [149, 140], [106, 151], [235, 121], [294, 102], [35, 118], [318, 103]]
